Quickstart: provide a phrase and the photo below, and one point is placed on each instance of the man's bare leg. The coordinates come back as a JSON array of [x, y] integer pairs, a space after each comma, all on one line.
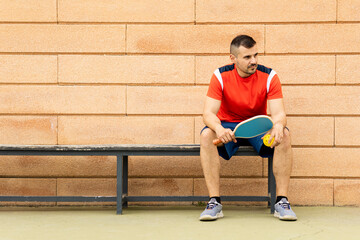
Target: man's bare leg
[[210, 162], [282, 165]]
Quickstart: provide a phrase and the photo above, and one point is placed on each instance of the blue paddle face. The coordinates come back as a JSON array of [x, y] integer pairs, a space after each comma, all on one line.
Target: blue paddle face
[[253, 127]]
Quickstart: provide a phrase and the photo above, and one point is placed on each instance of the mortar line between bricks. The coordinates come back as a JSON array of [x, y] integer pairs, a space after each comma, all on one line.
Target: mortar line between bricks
[[337, 11], [126, 32], [173, 54], [74, 84], [264, 39], [273, 23], [195, 22], [94, 84], [180, 23], [57, 69], [126, 102], [336, 70], [57, 11], [160, 115], [195, 66]]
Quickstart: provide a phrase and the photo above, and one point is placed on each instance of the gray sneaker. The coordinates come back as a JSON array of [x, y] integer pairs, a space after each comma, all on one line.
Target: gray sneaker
[[212, 211], [283, 211]]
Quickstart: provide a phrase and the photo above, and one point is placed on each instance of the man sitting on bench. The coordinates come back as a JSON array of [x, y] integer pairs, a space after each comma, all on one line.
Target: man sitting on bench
[[237, 92]]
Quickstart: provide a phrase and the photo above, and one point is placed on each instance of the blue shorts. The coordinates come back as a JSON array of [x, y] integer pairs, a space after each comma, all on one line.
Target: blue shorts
[[230, 148]]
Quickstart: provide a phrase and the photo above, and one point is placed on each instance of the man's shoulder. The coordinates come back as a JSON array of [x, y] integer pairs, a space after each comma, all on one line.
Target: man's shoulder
[[226, 68], [264, 69]]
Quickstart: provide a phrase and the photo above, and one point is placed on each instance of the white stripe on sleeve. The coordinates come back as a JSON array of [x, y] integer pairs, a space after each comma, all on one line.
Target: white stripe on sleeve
[[271, 75], [218, 75]]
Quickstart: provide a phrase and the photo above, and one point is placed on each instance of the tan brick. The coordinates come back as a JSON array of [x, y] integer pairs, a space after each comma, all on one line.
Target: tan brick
[[326, 162], [165, 100], [266, 11], [27, 187], [322, 100], [302, 69], [287, 67], [345, 65], [347, 131], [86, 187], [315, 38], [206, 65], [129, 130], [235, 186], [317, 131], [348, 10], [347, 192], [249, 166], [28, 69], [126, 69], [28, 130], [168, 166], [62, 99], [28, 11], [311, 192], [126, 11], [62, 38], [191, 167], [58, 166], [160, 186], [188, 38]]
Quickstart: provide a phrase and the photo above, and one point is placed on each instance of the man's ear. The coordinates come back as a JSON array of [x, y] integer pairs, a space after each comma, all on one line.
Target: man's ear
[[232, 58]]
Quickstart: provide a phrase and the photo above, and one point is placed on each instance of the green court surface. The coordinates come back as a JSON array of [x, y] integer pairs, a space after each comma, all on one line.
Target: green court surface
[[176, 223]]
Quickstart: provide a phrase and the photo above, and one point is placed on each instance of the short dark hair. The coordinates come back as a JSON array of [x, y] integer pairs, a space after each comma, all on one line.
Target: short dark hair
[[241, 40]]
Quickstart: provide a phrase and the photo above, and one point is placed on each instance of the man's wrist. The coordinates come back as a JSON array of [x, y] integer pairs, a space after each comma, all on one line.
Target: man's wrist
[[279, 124], [218, 127]]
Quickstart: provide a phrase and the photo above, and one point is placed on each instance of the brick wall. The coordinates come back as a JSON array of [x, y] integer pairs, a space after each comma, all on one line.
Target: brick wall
[[122, 71]]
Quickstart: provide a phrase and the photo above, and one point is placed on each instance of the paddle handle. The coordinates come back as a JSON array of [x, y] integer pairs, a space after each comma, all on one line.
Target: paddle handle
[[216, 141]]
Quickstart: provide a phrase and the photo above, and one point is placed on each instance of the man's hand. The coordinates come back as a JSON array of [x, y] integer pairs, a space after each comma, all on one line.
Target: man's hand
[[277, 132], [225, 134]]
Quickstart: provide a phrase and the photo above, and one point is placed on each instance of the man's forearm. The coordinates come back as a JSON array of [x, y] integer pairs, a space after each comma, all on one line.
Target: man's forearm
[[211, 121], [279, 118]]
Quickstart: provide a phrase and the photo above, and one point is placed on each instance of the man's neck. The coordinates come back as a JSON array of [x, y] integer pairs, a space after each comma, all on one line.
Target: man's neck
[[242, 74]]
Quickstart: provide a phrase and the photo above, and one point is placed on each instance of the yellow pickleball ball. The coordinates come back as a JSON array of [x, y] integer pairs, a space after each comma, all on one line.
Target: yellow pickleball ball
[[266, 140]]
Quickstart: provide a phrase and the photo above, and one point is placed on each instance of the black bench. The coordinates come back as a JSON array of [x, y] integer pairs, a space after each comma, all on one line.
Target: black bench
[[122, 152]]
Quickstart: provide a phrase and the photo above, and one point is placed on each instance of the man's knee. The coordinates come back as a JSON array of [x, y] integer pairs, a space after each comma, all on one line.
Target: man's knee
[[207, 136], [286, 141]]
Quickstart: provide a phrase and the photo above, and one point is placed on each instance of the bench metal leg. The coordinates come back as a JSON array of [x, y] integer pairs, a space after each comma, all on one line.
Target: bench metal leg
[[271, 185], [119, 183], [125, 180]]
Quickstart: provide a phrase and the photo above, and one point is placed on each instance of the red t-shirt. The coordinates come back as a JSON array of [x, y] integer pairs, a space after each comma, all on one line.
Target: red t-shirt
[[243, 98]]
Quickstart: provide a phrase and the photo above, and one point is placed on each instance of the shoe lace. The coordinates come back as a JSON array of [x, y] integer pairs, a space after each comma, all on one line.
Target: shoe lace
[[285, 205], [210, 205]]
